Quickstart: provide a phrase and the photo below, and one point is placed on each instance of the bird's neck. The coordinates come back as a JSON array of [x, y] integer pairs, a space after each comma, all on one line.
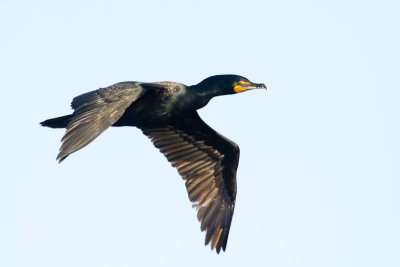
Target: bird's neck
[[203, 94], [207, 90]]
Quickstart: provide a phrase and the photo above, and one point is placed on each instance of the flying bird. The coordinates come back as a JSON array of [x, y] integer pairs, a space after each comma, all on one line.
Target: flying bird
[[166, 112]]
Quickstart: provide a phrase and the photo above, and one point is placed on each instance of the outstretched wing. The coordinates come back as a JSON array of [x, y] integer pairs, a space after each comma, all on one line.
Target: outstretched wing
[[94, 112], [207, 161]]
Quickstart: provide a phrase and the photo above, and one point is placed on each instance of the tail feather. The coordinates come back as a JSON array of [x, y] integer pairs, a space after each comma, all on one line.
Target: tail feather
[[60, 122]]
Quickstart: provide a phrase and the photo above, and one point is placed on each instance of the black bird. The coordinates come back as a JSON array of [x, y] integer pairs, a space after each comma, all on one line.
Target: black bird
[[166, 113]]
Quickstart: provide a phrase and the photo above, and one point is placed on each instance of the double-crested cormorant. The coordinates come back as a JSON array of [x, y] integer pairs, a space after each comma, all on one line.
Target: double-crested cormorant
[[166, 113]]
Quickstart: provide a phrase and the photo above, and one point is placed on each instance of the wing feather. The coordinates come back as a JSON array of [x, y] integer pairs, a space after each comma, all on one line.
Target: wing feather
[[207, 161], [94, 112]]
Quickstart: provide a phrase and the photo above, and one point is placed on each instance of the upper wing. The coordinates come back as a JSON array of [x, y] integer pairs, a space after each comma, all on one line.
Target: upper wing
[[208, 162], [94, 112]]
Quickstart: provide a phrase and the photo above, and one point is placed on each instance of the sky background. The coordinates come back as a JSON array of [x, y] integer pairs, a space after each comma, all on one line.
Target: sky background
[[318, 179]]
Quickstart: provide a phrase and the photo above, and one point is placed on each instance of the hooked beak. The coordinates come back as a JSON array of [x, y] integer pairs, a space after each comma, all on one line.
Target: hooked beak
[[248, 86], [255, 86]]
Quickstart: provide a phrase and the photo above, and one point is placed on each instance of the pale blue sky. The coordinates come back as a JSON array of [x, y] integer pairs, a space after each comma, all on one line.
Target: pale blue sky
[[318, 179]]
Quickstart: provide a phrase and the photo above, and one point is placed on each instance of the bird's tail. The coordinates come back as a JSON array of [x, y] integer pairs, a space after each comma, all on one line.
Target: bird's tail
[[60, 122]]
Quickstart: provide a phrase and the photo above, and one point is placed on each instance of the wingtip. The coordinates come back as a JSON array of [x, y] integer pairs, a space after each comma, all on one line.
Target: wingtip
[[60, 158], [218, 248]]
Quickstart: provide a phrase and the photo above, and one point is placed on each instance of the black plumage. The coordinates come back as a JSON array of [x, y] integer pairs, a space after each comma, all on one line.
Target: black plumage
[[166, 112]]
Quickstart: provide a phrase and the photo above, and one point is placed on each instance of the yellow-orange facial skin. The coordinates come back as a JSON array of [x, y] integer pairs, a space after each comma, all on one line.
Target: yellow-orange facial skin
[[239, 89]]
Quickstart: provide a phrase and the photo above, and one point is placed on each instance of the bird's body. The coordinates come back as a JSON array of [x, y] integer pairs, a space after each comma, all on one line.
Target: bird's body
[[167, 113]]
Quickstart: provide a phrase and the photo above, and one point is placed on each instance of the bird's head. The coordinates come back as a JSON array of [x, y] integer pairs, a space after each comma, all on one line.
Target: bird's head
[[227, 84]]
